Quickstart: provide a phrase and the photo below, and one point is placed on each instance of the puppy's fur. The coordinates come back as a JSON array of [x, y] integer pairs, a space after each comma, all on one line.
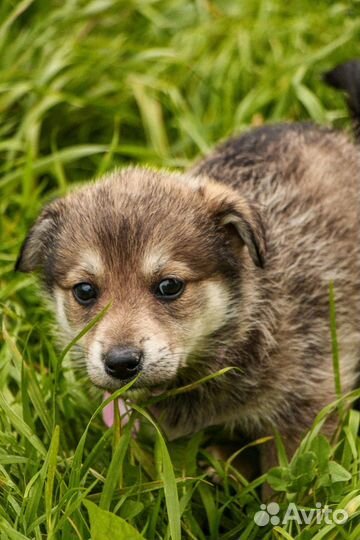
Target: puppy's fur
[[257, 231]]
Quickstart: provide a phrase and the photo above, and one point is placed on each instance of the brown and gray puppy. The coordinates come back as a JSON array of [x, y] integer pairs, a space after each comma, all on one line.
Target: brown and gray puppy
[[228, 265]]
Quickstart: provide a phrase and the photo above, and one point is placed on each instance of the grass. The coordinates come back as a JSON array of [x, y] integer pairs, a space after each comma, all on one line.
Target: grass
[[87, 85]]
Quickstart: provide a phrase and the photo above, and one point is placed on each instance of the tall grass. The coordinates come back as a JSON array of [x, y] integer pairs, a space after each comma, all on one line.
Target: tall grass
[[86, 85]]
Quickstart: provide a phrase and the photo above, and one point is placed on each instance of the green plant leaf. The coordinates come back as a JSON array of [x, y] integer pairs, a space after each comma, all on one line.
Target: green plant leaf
[[320, 446], [279, 478], [338, 473], [105, 525], [303, 470]]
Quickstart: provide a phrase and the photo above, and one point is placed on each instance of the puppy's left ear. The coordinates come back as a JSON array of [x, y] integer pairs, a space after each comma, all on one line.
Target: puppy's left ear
[[237, 216], [40, 239]]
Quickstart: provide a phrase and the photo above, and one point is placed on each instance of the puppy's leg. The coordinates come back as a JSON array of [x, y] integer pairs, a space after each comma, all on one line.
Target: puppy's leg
[[269, 459], [245, 462]]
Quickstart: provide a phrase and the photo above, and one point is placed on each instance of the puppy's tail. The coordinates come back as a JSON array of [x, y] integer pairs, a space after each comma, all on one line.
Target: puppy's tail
[[346, 77]]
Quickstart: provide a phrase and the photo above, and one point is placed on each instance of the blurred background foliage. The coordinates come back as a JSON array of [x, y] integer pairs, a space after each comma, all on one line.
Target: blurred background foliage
[[86, 85]]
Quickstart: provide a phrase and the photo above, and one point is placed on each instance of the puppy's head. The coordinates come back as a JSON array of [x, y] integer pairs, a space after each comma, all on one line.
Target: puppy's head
[[168, 254]]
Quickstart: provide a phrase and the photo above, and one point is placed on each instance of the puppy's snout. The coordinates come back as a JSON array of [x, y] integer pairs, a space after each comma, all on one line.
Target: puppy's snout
[[123, 362]]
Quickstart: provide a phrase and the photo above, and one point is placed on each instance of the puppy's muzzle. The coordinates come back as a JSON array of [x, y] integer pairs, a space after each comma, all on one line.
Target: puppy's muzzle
[[123, 362]]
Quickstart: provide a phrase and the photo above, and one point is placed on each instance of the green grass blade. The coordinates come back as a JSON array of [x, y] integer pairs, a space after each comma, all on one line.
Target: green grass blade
[[334, 341], [170, 488], [49, 485]]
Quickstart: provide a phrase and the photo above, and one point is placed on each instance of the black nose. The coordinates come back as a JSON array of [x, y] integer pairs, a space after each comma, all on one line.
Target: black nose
[[123, 362]]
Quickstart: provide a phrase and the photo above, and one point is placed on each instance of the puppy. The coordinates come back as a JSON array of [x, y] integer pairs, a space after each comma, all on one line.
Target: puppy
[[227, 265]]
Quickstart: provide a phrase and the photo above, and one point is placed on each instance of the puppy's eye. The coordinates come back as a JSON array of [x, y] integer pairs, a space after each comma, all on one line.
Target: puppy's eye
[[85, 293], [169, 289]]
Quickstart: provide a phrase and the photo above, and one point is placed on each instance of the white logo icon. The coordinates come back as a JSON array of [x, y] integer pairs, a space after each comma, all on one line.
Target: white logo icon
[[267, 513]]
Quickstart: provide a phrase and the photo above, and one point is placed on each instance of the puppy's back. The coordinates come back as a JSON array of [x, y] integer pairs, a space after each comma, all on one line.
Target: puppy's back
[[306, 182]]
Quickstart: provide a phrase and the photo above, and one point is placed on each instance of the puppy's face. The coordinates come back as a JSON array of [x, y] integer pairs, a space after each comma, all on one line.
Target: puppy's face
[[163, 256]]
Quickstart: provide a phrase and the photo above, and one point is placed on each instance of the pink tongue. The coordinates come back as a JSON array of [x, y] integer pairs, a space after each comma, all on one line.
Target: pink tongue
[[125, 412], [108, 412]]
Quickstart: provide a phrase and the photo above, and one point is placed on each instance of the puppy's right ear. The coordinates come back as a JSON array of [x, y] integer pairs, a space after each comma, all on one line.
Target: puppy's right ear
[[40, 239], [234, 214]]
